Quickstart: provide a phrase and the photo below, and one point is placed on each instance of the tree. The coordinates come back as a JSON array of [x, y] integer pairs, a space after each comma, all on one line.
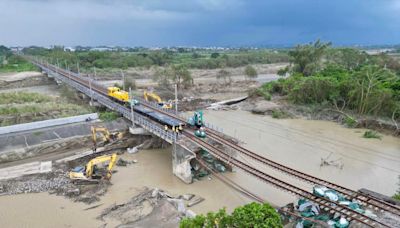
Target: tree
[[306, 59], [249, 215], [180, 75], [250, 72], [174, 74], [371, 92], [224, 75], [214, 55]]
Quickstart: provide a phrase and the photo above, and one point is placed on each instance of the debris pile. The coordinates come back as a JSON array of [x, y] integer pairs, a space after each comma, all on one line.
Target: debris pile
[[198, 171], [307, 209], [150, 208]]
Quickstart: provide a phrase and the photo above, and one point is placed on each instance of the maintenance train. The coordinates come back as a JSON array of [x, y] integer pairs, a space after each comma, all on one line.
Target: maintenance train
[[122, 96]]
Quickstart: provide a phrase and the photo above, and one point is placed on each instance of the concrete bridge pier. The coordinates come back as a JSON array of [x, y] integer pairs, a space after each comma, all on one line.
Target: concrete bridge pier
[[181, 167]]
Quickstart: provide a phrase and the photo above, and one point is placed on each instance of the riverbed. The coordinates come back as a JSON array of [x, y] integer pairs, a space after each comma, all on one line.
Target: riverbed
[[300, 144]]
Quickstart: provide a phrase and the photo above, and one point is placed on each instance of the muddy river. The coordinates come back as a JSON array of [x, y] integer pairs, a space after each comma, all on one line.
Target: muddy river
[[301, 144]]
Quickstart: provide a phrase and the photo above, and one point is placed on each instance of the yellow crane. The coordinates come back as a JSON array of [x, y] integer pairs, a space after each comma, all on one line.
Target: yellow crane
[[91, 172], [155, 97], [107, 137]]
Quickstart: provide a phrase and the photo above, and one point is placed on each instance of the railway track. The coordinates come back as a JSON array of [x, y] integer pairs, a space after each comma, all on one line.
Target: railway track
[[350, 214], [325, 204], [351, 194]]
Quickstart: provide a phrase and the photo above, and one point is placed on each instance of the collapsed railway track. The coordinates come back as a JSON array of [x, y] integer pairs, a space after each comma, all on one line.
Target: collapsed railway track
[[348, 193], [214, 135], [325, 204]]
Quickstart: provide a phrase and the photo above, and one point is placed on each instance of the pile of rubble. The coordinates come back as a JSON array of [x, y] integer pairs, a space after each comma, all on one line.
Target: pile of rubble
[[150, 208], [312, 211]]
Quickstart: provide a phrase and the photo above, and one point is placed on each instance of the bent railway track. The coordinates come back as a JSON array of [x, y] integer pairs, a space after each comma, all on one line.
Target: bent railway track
[[325, 204], [351, 194], [214, 135]]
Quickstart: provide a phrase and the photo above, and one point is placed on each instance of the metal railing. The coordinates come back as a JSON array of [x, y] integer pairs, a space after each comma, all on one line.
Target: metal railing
[[134, 117]]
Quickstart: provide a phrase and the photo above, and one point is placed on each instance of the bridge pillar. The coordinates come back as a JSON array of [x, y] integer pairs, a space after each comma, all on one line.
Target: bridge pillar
[[181, 168]]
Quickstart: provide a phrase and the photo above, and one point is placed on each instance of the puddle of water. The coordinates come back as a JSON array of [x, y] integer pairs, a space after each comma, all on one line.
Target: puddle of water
[[300, 144]]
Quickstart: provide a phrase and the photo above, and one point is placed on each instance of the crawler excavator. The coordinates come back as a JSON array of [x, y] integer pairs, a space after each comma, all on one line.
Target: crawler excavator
[[155, 97], [91, 173], [107, 136]]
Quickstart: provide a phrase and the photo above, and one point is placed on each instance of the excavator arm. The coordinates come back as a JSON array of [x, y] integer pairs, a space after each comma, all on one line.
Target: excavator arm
[[156, 98], [111, 159]]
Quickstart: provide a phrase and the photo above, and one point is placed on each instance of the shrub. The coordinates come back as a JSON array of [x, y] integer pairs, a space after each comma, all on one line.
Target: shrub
[[249, 215], [250, 72], [108, 116], [371, 135]]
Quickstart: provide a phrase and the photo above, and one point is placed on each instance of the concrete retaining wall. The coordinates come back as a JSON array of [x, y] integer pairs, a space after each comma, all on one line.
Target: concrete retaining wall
[[47, 123]]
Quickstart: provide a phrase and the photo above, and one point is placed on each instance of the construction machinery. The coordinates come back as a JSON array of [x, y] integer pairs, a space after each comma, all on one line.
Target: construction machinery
[[107, 137], [151, 95], [91, 172], [118, 94], [197, 121]]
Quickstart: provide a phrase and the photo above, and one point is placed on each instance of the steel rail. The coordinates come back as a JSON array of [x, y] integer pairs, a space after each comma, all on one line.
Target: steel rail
[[363, 198], [326, 204], [302, 176]]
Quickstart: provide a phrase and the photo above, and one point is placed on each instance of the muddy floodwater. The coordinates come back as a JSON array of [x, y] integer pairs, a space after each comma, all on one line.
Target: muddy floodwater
[[300, 144], [154, 169]]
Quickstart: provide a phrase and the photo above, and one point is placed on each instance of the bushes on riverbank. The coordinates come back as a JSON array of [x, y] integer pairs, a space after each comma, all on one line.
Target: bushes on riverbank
[[369, 90], [345, 79], [249, 215]]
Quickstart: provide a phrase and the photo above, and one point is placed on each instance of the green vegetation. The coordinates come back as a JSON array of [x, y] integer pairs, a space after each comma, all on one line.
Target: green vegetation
[[280, 114], [13, 63], [250, 215], [22, 107], [342, 78], [371, 135], [23, 97], [108, 116], [189, 58], [174, 74], [396, 196], [250, 72]]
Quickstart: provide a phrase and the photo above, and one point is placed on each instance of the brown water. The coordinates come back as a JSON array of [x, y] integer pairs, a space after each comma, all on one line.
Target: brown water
[[154, 169], [300, 144]]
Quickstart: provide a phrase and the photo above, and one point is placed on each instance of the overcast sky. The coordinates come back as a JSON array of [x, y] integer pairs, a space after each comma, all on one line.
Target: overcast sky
[[198, 22]]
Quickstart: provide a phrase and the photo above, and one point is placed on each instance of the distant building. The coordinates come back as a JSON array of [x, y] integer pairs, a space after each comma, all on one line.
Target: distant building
[[69, 49]]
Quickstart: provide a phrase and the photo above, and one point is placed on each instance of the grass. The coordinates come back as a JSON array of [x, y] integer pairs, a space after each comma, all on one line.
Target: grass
[[371, 135], [279, 114], [350, 122], [108, 116], [22, 107], [18, 67], [23, 97]]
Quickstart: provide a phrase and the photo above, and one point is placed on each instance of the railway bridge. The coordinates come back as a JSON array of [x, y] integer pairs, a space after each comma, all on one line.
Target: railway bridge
[[185, 145]]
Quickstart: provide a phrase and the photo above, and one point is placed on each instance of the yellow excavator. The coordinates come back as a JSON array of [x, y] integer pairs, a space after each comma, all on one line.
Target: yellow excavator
[[155, 97], [107, 137], [91, 172]]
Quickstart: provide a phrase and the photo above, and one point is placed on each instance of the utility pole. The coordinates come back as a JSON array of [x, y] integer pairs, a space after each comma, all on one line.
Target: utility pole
[[130, 101], [77, 66], [176, 98], [123, 80], [90, 85]]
